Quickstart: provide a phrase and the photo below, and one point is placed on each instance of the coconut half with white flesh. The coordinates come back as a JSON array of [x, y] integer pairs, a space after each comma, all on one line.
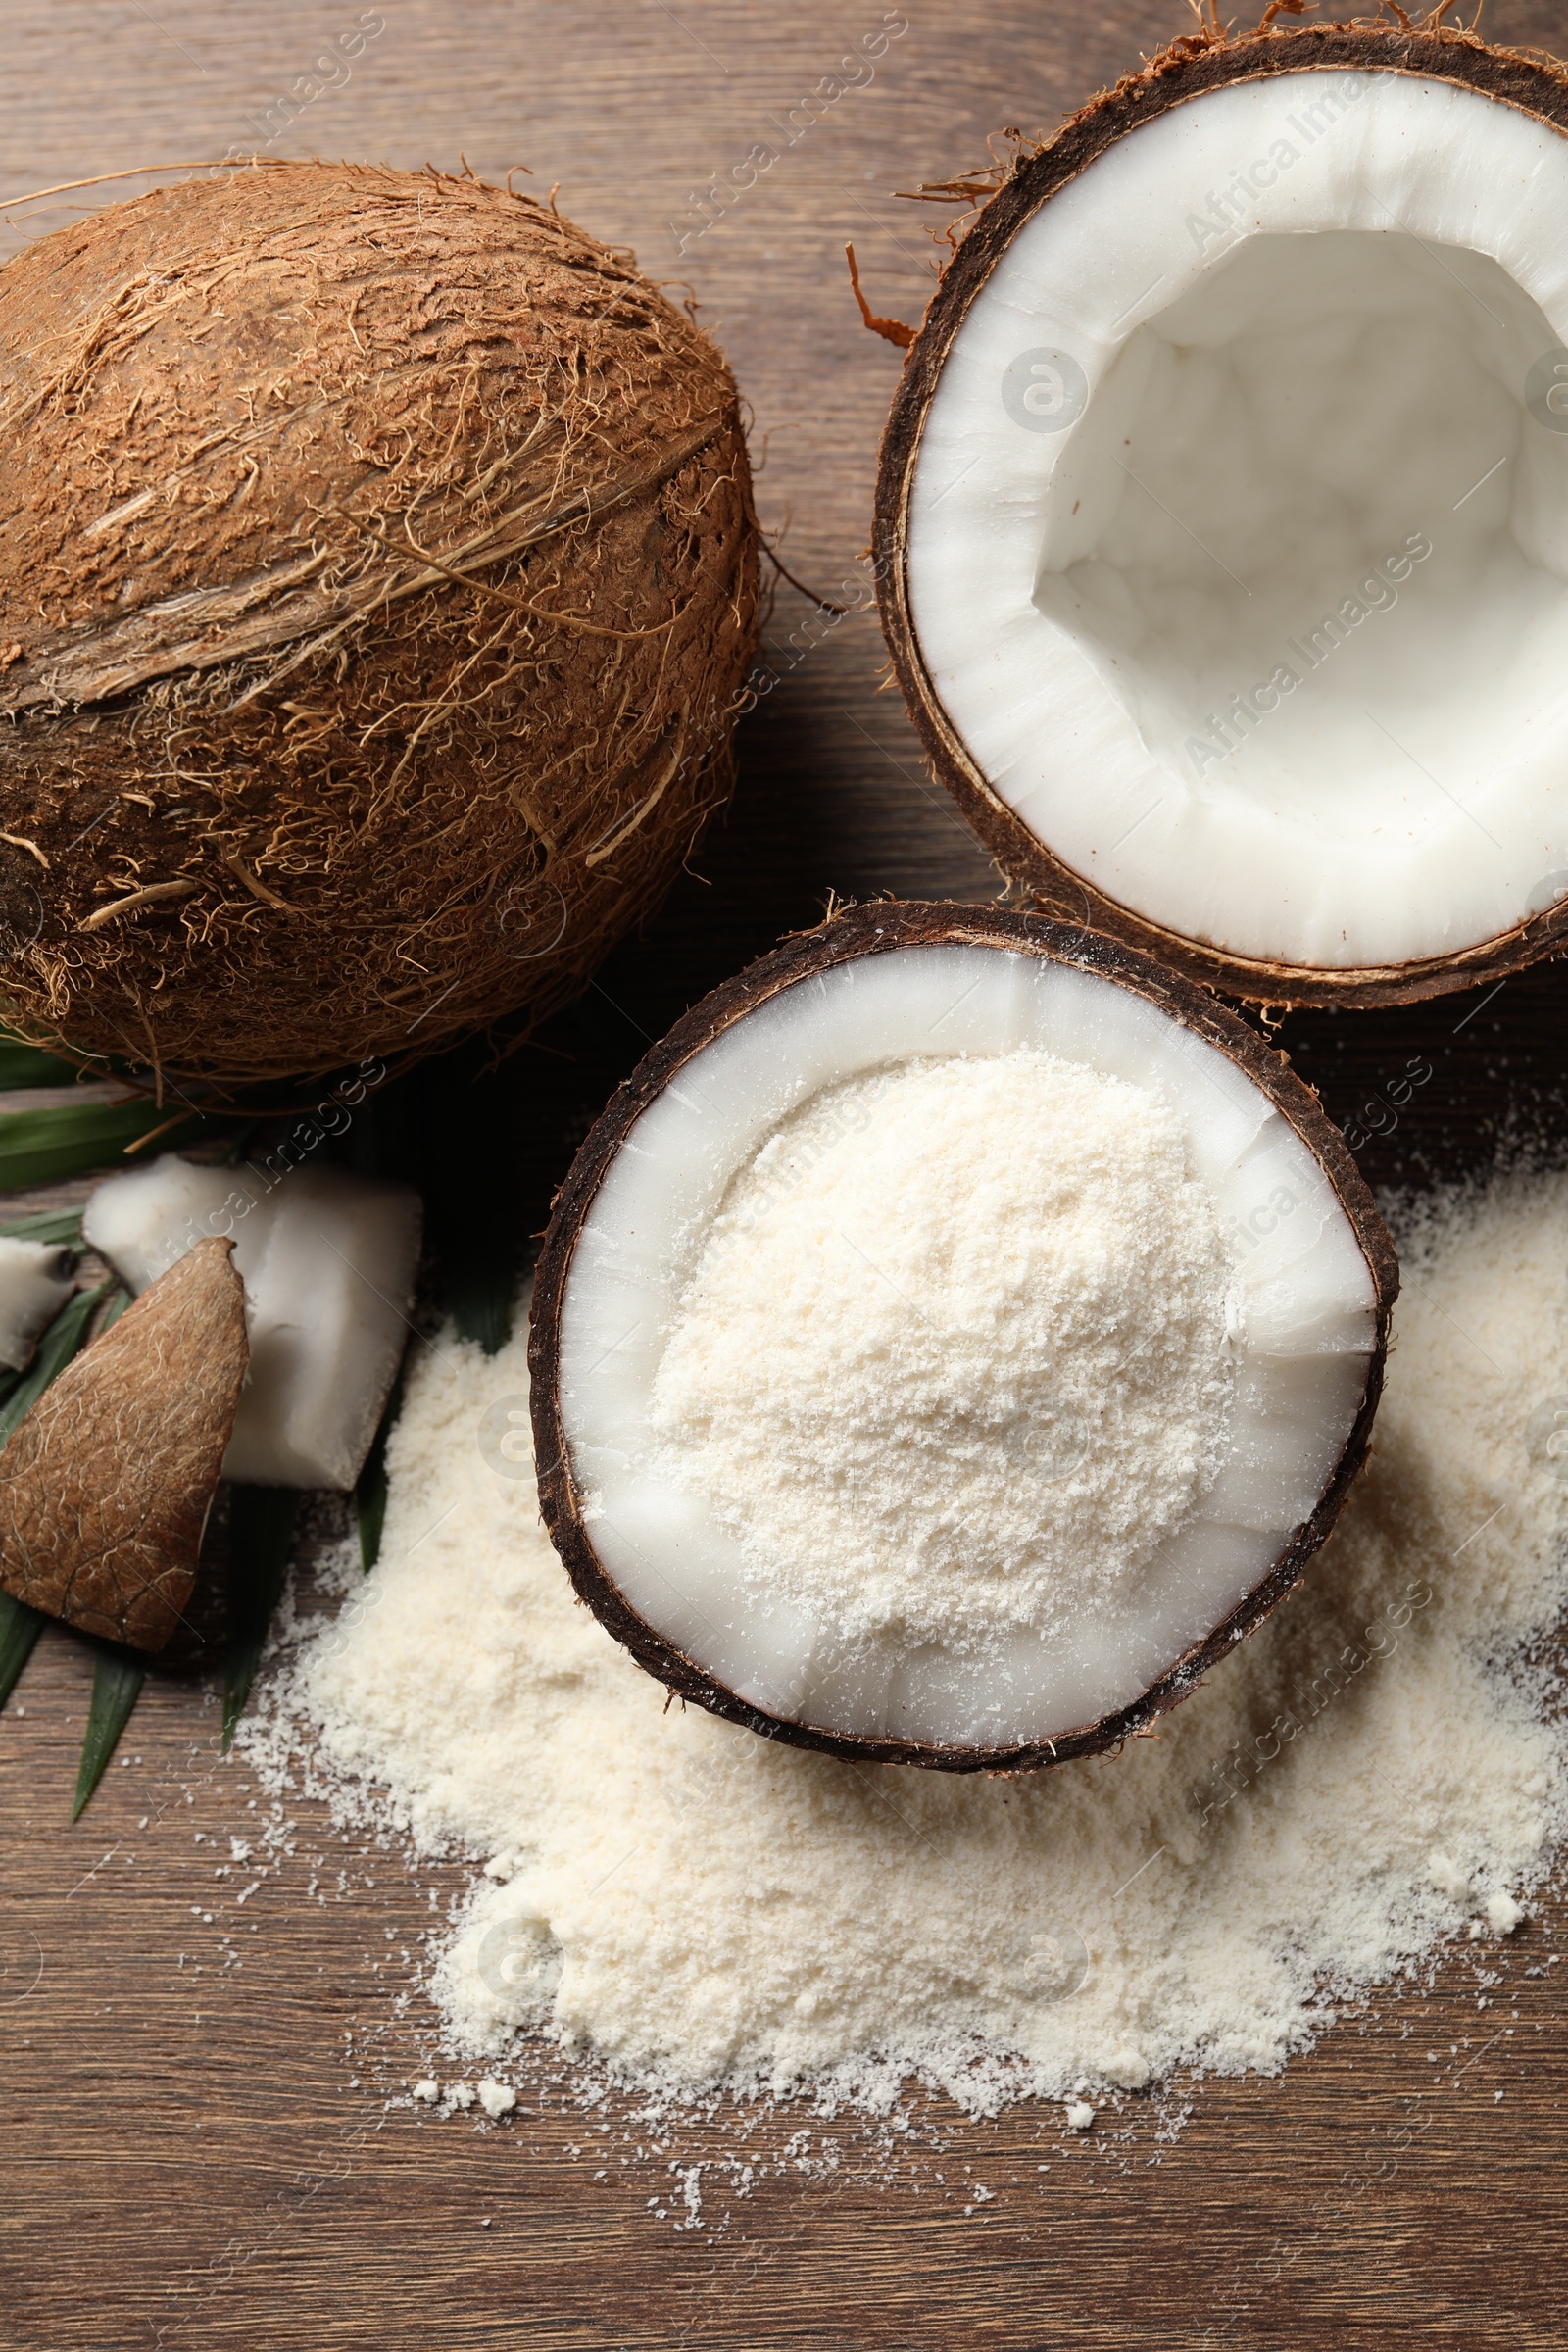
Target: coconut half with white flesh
[[953, 1339], [1222, 518], [328, 1260]]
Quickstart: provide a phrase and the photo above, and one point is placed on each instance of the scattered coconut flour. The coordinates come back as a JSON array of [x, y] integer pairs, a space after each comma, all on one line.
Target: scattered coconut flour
[[1381, 1768], [954, 1351]]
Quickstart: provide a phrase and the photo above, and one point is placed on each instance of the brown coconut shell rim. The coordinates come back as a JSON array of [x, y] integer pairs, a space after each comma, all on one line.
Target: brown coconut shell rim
[[882, 929], [1186, 69]]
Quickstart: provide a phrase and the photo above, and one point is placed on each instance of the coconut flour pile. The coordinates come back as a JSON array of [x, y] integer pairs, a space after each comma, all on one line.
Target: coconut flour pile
[[1376, 1770], [955, 1352]]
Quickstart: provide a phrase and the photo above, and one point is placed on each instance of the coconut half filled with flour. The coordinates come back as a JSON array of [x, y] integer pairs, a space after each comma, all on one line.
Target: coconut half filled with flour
[[955, 1337], [1223, 514]]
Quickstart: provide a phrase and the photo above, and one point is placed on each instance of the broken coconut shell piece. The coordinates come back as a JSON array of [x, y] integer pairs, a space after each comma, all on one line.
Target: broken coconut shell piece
[[939, 1368], [1219, 528], [106, 1485], [328, 1260]]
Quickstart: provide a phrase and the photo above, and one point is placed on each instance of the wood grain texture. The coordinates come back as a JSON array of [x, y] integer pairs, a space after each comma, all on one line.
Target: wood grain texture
[[203, 2160]]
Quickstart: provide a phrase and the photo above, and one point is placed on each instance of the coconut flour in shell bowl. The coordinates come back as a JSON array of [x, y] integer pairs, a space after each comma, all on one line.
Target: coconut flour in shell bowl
[[1378, 1770]]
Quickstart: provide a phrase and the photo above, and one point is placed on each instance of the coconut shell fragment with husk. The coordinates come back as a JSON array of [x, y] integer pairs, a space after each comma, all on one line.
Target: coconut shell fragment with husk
[[377, 585], [1149, 764], [105, 1487]]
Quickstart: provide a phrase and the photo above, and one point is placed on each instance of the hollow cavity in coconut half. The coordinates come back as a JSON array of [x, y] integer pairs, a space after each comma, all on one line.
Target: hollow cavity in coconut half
[[378, 582], [1313, 1282], [1222, 518]]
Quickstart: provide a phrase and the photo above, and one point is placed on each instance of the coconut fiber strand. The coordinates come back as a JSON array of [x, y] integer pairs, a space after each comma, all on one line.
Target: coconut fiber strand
[[377, 580]]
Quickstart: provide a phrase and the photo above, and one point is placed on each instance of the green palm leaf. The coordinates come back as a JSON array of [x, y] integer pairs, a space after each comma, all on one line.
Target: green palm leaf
[[20, 1628], [369, 1493], [261, 1538], [117, 1681], [50, 1225], [64, 1139], [22, 1064]]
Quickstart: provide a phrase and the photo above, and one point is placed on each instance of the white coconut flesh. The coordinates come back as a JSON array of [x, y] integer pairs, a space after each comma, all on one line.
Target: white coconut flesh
[[1295, 1330], [329, 1259], [36, 1281], [1238, 538]]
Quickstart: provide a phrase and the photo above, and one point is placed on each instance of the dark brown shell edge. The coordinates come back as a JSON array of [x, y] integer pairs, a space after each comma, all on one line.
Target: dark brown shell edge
[[875, 930], [1187, 69]]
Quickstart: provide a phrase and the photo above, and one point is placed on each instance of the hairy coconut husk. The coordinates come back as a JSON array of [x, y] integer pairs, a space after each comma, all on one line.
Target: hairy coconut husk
[[378, 582], [1009, 194], [875, 930], [106, 1485]]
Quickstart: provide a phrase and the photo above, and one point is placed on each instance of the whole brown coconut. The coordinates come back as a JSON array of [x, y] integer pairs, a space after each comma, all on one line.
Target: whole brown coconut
[[378, 583], [1007, 200]]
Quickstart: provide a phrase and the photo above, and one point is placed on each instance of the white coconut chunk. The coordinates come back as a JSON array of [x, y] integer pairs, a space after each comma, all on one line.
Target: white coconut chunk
[[36, 1281], [1303, 1333], [328, 1260], [1238, 536]]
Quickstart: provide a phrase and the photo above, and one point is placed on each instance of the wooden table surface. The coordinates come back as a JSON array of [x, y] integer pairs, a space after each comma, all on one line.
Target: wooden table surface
[[199, 2154]]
